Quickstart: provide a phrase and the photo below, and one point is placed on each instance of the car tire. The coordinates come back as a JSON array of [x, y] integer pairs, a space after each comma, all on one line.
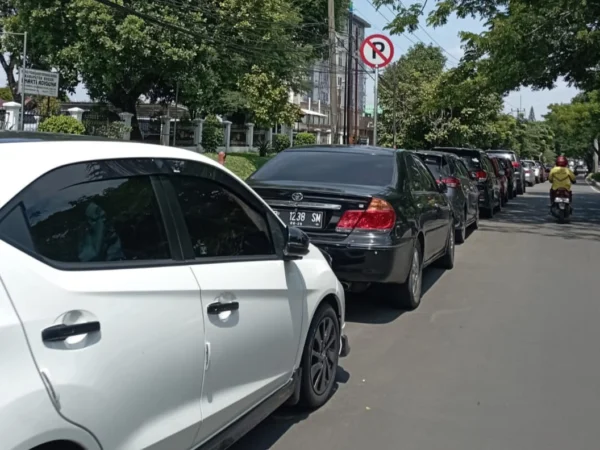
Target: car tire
[[320, 350], [476, 221], [407, 296], [447, 261]]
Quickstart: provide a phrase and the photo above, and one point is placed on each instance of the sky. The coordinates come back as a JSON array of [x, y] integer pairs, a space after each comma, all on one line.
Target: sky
[[447, 37]]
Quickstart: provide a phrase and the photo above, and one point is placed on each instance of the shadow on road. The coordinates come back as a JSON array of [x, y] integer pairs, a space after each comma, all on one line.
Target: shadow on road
[[277, 424], [530, 214], [374, 308]]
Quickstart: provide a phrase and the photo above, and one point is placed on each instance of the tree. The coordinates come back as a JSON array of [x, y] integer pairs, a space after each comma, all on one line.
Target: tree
[[528, 43], [576, 125], [154, 46], [531, 115]]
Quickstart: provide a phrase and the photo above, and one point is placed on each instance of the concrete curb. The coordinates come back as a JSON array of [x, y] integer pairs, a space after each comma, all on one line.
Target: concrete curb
[[594, 183]]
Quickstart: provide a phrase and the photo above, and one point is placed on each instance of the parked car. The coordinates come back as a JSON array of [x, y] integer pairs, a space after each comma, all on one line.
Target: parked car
[[509, 172], [503, 179], [581, 169], [516, 163], [535, 168], [547, 169], [150, 299], [482, 171], [462, 190], [529, 172], [378, 212]]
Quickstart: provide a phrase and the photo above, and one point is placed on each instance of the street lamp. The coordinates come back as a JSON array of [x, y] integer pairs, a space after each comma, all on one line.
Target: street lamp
[[21, 73]]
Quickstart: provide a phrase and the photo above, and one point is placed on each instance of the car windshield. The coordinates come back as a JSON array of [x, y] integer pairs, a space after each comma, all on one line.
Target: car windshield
[[331, 167], [507, 155]]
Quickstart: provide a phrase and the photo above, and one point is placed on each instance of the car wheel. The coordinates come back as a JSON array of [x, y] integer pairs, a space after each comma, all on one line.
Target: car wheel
[[520, 189], [476, 223], [447, 261], [461, 233], [407, 296], [320, 358]]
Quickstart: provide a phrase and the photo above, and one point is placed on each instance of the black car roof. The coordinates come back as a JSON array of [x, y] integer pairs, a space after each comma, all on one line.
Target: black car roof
[[343, 149], [499, 150], [459, 149]]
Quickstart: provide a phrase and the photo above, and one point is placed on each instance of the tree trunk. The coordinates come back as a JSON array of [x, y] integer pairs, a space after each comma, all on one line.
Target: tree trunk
[[127, 102], [9, 67]]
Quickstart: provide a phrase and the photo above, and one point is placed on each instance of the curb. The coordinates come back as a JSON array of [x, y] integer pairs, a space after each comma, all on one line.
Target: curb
[[593, 183]]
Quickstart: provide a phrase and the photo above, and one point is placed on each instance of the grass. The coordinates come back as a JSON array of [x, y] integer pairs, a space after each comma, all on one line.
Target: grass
[[242, 164]]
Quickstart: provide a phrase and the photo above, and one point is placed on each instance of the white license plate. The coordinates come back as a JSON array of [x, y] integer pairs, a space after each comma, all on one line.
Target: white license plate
[[301, 218]]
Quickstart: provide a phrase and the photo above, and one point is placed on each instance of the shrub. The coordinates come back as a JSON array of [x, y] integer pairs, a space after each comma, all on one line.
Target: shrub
[[305, 139], [280, 142], [264, 148], [62, 124], [212, 134], [595, 176]]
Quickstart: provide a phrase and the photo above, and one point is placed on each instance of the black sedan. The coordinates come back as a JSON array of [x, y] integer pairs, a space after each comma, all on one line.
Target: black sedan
[[377, 212]]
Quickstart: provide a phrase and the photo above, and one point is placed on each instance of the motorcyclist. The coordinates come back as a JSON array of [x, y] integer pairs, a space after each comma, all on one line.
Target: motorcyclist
[[561, 177]]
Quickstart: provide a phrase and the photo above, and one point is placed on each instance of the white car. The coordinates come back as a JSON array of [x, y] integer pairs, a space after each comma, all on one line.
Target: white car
[[150, 299]]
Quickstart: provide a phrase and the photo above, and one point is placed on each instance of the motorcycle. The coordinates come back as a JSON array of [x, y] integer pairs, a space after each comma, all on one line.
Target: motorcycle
[[561, 206]]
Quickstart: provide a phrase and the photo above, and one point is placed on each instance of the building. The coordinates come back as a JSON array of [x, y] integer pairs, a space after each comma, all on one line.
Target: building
[[315, 102]]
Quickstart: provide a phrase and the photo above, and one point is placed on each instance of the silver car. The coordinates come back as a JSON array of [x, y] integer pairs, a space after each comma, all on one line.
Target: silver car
[[529, 171], [535, 168]]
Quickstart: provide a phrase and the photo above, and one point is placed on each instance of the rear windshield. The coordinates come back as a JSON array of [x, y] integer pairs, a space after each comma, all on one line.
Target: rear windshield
[[335, 167], [506, 155], [433, 162], [469, 157]]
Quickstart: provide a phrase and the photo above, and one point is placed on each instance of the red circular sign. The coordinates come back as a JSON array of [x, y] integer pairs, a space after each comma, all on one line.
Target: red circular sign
[[377, 51]]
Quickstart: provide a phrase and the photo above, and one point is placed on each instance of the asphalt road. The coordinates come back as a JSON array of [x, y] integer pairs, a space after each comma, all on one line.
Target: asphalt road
[[502, 354]]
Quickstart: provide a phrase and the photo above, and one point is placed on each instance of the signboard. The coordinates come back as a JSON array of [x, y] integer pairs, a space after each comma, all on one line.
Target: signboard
[[377, 51], [40, 82]]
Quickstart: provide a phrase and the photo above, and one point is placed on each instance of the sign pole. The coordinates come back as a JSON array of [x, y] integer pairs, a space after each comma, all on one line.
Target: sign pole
[[22, 81], [376, 107]]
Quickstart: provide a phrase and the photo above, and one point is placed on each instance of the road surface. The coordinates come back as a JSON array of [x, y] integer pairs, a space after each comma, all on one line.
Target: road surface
[[502, 354]]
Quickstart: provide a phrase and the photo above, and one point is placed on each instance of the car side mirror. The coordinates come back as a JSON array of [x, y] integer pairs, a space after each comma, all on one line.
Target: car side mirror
[[442, 187], [297, 244]]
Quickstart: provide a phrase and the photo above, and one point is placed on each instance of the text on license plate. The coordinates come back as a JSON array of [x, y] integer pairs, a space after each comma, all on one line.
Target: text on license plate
[[304, 219]]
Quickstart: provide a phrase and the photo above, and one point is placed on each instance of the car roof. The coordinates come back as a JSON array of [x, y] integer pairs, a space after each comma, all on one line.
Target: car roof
[[23, 162], [432, 153], [343, 149], [458, 149], [499, 150], [24, 136]]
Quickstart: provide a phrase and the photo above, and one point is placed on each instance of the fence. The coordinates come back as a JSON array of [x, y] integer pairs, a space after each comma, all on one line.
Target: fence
[[96, 122]]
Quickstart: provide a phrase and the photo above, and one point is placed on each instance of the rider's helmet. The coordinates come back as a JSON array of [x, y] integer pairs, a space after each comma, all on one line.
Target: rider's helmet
[[561, 161]]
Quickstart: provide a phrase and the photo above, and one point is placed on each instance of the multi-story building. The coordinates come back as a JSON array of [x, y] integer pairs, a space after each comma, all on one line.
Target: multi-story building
[[318, 97]]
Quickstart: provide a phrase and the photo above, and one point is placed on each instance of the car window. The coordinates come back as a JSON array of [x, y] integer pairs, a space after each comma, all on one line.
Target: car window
[[427, 180], [97, 220], [331, 167], [461, 168], [508, 155], [487, 164], [220, 224], [435, 164], [415, 181]]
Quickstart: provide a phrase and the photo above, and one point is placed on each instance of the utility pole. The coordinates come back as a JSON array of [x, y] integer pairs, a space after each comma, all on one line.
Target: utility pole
[[348, 101], [333, 93]]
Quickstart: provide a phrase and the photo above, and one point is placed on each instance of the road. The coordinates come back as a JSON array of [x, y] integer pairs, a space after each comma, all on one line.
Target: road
[[502, 354]]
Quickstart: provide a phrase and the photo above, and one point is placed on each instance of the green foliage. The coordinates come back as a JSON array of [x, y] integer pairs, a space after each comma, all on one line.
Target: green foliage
[[6, 94], [280, 142], [267, 97], [264, 148], [304, 139], [62, 124], [595, 176], [242, 164], [212, 134], [525, 43]]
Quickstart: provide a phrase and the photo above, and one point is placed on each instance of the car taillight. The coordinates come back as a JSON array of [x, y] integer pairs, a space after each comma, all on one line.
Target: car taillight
[[480, 175], [378, 216], [452, 182], [515, 164]]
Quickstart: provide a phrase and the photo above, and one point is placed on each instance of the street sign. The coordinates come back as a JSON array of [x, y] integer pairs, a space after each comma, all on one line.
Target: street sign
[[40, 82], [377, 51]]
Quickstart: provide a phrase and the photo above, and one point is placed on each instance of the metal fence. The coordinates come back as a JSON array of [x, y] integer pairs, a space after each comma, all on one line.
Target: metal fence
[[2, 119], [32, 118], [95, 122]]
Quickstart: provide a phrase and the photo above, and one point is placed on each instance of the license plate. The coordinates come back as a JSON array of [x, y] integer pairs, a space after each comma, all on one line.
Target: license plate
[[561, 205], [301, 219]]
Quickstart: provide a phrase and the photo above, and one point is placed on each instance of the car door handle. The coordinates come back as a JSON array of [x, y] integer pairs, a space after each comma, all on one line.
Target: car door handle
[[219, 307], [61, 332]]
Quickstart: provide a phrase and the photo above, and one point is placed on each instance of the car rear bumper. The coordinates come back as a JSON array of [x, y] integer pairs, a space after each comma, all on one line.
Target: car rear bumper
[[370, 264]]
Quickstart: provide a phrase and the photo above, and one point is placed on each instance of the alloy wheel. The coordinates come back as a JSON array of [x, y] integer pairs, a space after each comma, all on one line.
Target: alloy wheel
[[415, 277], [323, 356]]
